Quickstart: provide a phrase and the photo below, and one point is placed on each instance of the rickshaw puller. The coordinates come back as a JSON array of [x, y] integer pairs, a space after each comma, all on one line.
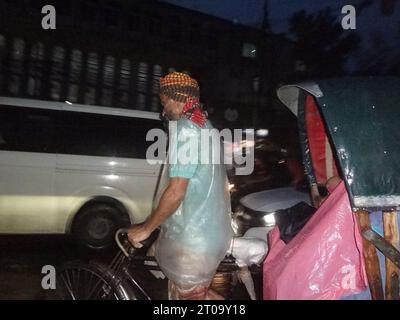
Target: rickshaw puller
[[194, 209]]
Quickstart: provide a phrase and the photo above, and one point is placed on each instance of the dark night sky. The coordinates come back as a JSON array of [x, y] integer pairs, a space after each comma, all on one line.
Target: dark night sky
[[250, 12]]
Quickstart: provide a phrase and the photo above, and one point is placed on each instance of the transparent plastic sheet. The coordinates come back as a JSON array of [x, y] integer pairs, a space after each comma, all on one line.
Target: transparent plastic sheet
[[248, 250], [195, 239], [324, 260]]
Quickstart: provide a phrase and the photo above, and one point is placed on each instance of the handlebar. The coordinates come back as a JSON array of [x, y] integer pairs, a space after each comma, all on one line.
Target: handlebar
[[118, 234], [117, 240]]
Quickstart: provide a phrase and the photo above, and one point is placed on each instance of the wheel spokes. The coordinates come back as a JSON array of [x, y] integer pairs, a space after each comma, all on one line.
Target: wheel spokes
[[81, 284], [68, 286]]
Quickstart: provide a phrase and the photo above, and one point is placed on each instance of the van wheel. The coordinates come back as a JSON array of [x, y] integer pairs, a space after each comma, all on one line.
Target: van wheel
[[96, 225]]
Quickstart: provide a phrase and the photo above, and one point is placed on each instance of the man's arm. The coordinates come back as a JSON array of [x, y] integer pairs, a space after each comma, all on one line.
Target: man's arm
[[169, 202]]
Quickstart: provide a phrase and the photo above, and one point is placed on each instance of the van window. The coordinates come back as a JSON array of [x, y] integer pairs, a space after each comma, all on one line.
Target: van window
[[27, 129], [104, 135], [79, 133]]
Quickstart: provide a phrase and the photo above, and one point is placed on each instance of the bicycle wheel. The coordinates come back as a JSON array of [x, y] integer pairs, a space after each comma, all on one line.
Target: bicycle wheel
[[93, 281]]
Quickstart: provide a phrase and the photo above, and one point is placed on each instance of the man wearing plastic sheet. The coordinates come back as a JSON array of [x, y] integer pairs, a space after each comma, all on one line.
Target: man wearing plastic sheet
[[194, 209]]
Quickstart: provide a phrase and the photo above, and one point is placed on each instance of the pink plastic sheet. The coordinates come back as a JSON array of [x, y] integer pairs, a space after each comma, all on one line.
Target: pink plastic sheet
[[324, 260]]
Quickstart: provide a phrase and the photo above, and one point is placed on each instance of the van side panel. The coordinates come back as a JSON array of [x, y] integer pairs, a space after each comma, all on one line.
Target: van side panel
[[27, 166], [79, 179], [27, 203]]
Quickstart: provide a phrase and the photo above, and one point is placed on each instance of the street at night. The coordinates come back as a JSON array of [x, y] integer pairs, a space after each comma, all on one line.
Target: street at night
[[23, 257], [199, 150]]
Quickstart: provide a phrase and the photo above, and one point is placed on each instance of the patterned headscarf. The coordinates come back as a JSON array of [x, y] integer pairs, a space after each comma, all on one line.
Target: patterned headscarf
[[179, 86], [182, 88]]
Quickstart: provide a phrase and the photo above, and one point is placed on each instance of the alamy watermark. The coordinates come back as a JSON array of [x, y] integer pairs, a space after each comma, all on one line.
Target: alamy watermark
[[49, 280], [349, 277], [49, 20], [349, 20], [203, 146]]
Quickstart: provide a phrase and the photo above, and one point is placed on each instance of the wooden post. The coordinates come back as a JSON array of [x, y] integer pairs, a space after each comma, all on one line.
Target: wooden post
[[391, 231], [371, 259]]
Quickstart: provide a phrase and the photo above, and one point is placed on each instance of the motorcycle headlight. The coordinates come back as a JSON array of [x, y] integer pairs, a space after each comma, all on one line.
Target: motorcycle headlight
[[269, 219]]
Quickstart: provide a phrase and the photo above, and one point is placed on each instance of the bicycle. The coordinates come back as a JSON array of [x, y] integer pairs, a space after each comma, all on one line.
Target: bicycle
[[122, 278]]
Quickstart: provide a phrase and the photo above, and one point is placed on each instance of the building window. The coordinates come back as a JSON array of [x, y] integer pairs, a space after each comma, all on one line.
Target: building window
[[141, 101], [157, 73], [106, 99], [75, 66], [155, 104], [92, 71], [108, 71], [56, 73], [16, 65], [142, 77], [249, 50], [2, 46], [2, 58], [141, 89], [124, 84], [75, 70], [35, 69], [92, 68], [108, 81], [90, 95], [73, 91], [125, 74]]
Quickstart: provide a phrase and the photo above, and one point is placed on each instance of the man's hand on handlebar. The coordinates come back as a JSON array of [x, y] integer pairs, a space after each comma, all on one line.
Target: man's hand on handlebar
[[138, 233], [170, 201]]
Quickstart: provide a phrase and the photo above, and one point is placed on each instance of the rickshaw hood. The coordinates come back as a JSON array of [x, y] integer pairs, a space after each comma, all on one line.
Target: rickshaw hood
[[362, 119]]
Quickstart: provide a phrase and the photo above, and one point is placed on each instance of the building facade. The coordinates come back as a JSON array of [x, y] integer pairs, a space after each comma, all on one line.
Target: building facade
[[112, 53]]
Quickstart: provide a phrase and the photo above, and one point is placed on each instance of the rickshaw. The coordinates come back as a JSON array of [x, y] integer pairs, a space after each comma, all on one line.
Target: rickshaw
[[348, 128]]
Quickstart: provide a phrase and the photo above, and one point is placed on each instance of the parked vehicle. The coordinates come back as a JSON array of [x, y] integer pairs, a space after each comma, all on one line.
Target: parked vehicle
[[74, 169]]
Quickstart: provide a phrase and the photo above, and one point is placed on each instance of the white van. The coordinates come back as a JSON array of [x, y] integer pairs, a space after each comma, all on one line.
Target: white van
[[70, 168]]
